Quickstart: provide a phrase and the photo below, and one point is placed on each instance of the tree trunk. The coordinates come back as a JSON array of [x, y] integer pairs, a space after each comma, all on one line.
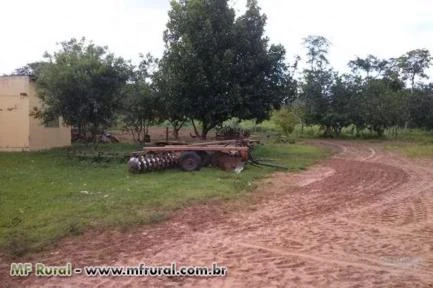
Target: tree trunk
[[379, 131], [337, 131], [94, 132], [80, 130], [176, 133], [197, 134], [327, 133], [412, 83], [204, 132], [205, 129], [176, 128], [133, 135]]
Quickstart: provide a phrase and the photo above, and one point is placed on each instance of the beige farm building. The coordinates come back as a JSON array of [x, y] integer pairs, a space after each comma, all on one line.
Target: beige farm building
[[18, 130]]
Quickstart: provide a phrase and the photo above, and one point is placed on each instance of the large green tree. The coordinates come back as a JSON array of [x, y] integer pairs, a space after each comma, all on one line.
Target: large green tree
[[373, 97], [421, 107], [81, 82], [220, 66], [141, 105], [170, 90], [414, 63], [369, 65], [318, 80], [382, 105], [261, 76]]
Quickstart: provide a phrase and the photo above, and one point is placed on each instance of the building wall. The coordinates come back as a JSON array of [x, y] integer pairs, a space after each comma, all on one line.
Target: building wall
[[18, 130], [42, 137], [14, 111]]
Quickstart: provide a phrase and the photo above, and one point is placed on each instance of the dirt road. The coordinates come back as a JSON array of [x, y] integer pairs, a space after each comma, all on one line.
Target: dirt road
[[363, 218]]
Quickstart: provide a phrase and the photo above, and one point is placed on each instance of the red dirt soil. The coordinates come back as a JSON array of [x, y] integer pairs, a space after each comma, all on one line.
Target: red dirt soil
[[363, 218]]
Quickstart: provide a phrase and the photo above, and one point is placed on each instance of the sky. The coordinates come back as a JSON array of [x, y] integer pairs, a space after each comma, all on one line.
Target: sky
[[384, 28]]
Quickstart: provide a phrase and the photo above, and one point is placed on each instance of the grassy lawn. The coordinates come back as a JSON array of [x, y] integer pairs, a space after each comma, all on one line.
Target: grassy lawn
[[46, 195], [414, 150], [413, 143]]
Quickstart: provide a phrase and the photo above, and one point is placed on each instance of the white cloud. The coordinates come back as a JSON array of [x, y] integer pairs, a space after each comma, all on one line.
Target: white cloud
[[386, 28]]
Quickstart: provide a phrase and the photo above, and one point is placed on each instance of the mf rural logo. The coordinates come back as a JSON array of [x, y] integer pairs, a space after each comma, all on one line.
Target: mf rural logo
[[40, 269]]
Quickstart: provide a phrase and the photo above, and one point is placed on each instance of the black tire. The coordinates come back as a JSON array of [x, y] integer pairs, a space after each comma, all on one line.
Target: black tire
[[190, 161], [205, 158]]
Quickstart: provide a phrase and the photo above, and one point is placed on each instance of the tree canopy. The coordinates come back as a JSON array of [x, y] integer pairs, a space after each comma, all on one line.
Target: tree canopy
[[82, 83], [141, 106], [374, 96], [221, 65]]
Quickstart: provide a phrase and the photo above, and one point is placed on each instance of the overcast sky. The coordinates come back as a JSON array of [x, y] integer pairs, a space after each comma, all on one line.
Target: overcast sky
[[385, 28]]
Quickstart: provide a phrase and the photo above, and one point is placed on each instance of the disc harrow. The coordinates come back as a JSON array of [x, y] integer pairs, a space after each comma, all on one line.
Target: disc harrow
[[229, 155], [152, 162]]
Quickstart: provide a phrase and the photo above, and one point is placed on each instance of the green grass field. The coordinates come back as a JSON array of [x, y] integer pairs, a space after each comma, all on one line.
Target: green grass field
[[415, 143], [412, 143], [46, 195], [414, 150]]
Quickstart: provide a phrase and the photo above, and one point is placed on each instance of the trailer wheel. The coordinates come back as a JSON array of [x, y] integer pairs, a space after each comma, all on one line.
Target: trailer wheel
[[190, 161], [205, 158]]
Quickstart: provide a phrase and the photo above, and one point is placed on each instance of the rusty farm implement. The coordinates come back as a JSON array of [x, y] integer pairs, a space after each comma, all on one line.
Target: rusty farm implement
[[227, 155]]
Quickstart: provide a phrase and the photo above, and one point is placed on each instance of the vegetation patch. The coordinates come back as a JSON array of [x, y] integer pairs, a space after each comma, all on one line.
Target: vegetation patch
[[413, 150], [48, 195]]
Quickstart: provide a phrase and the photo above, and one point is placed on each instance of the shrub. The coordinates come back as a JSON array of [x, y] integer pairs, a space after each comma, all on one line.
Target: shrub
[[286, 120]]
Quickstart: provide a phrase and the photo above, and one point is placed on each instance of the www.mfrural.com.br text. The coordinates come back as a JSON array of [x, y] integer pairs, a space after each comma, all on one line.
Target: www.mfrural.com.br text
[[140, 270]]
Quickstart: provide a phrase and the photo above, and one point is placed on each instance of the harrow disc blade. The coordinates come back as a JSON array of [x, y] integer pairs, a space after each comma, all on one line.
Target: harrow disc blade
[[137, 164]]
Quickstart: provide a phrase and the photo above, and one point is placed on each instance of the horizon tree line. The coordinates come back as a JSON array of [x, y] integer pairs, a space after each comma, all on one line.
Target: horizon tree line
[[217, 66]]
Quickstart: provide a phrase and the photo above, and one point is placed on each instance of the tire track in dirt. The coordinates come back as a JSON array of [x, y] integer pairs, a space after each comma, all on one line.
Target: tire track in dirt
[[361, 218], [358, 263]]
